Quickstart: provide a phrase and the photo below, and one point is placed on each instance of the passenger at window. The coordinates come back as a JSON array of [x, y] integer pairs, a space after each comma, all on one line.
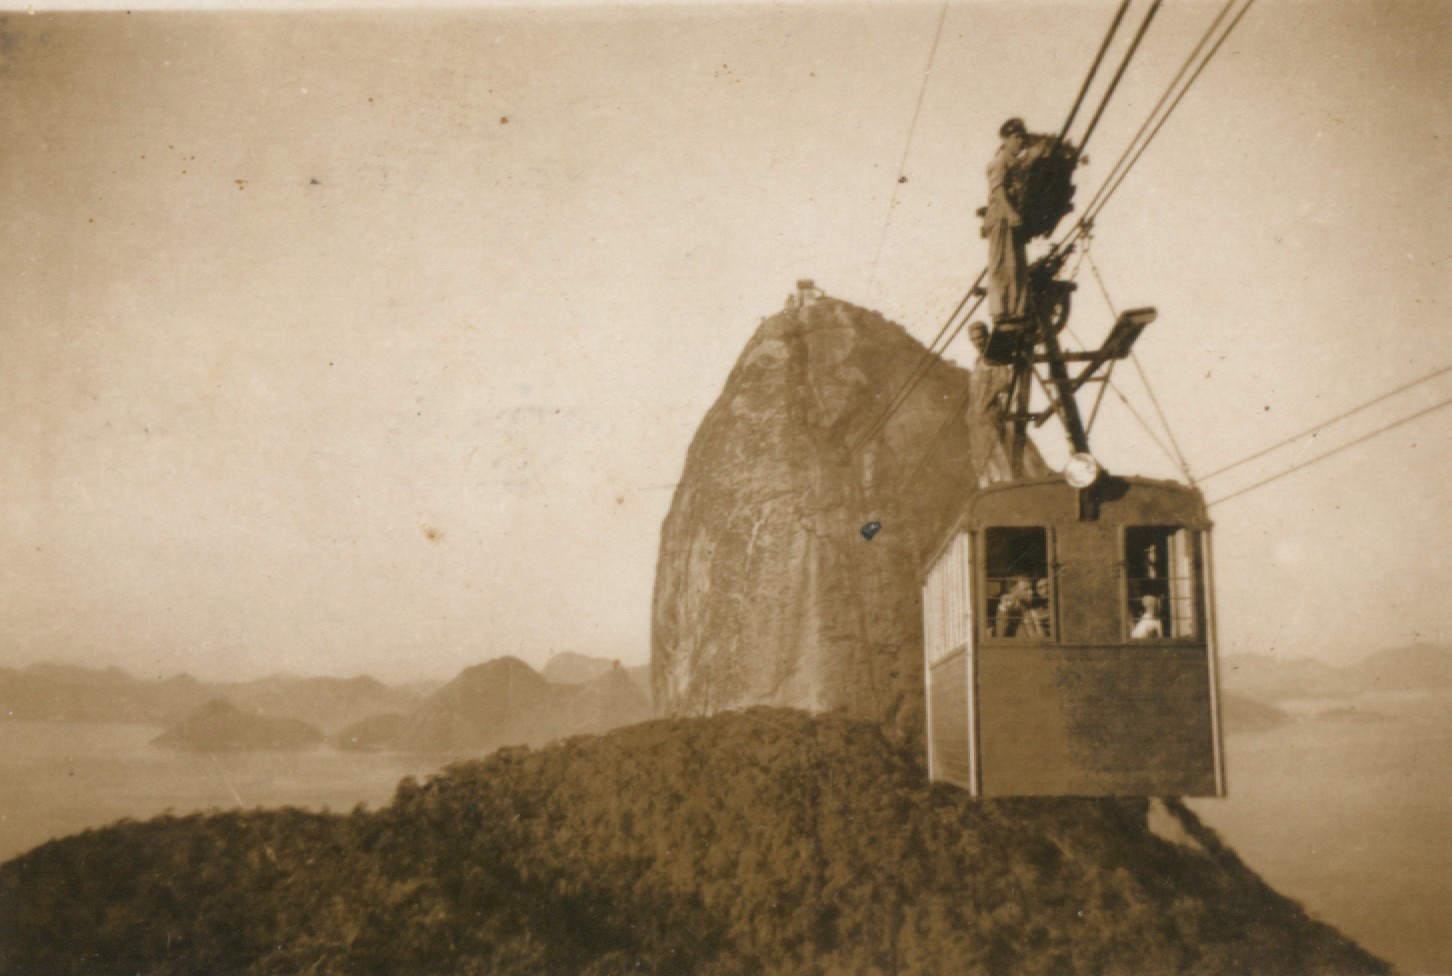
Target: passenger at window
[[1148, 625], [1037, 619], [1151, 562], [1013, 608]]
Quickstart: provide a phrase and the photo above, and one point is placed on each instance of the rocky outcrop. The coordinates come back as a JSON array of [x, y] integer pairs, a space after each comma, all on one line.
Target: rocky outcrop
[[771, 587]]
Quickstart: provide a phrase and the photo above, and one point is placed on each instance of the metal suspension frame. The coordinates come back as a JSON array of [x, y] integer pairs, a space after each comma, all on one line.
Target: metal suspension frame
[[1033, 339]]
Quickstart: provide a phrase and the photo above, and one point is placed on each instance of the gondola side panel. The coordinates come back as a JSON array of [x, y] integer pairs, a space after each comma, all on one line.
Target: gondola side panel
[[947, 630], [1087, 721]]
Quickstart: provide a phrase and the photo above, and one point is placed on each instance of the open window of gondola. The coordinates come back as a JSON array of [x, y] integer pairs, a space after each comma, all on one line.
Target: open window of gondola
[[1019, 587], [1163, 582]]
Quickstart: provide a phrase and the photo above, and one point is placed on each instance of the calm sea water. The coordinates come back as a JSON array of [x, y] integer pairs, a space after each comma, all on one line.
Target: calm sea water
[[58, 778], [1350, 815]]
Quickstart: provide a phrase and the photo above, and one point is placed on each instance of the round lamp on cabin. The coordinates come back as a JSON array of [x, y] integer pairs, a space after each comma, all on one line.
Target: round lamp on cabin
[[1081, 471]]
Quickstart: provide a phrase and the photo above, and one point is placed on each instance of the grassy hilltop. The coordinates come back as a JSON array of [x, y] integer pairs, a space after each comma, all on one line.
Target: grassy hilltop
[[765, 841]]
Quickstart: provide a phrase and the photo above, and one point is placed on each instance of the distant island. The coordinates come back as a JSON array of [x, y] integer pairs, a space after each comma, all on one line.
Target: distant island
[[220, 726]]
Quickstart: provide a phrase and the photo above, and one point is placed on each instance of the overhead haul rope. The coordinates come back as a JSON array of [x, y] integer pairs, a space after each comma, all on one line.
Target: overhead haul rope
[[1117, 174], [958, 407], [908, 145], [933, 352], [1334, 451], [1327, 423], [1164, 97], [1178, 456], [1093, 69], [1089, 132], [1113, 84], [1111, 184], [930, 354]]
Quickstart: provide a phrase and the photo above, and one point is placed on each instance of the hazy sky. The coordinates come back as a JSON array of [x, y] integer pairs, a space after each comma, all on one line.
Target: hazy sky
[[373, 341]]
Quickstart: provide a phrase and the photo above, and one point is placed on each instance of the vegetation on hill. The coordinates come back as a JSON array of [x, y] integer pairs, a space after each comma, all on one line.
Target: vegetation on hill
[[765, 841]]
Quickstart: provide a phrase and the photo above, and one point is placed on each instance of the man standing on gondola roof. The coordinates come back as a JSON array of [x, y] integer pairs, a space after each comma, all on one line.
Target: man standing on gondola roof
[[1003, 227]]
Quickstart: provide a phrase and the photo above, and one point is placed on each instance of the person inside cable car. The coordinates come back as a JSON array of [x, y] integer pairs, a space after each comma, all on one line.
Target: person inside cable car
[[1013, 607], [1022, 609], [1148, 626], [1038, 610]]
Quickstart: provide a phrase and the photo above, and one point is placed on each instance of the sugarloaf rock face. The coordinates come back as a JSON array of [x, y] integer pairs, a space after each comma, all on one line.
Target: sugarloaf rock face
[[768, 589]]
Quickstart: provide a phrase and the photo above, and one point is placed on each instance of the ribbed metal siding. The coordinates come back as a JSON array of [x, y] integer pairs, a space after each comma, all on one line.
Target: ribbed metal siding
[[946, 608], [947, 630]]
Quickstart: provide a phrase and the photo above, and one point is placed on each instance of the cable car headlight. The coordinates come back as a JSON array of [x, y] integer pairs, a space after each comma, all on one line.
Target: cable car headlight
[[1082, 470]]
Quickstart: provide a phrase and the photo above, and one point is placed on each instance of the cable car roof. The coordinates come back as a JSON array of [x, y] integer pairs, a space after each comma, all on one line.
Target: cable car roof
[[1049, 501]]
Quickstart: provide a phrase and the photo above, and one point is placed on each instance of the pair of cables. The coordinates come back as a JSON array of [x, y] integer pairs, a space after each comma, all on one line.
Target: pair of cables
[[1189, 72], [953, 325], [1172, 450]]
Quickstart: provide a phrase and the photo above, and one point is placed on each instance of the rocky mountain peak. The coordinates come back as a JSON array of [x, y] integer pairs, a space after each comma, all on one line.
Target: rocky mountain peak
[[768, 589]]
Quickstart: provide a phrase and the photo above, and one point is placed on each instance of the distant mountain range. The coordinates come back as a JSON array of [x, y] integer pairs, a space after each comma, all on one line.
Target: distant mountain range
[[506, 702], [500, 702], [1258, 691], [570, 668], [67, 692], [1417, 667]]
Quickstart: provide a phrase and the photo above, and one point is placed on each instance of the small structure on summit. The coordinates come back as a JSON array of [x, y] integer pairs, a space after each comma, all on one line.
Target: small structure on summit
[[806, 295], [1068, 620]]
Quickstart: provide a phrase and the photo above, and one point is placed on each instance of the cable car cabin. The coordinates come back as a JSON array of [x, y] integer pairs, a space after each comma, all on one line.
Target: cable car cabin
[[1070, 654]]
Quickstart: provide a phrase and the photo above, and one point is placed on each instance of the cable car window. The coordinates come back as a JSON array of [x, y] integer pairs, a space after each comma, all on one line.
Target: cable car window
[[1160, 567], [1019, 591]]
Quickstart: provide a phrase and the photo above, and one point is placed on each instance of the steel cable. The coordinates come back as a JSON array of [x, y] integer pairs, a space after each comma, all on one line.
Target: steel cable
[[1334, 451], [1327, 423]]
